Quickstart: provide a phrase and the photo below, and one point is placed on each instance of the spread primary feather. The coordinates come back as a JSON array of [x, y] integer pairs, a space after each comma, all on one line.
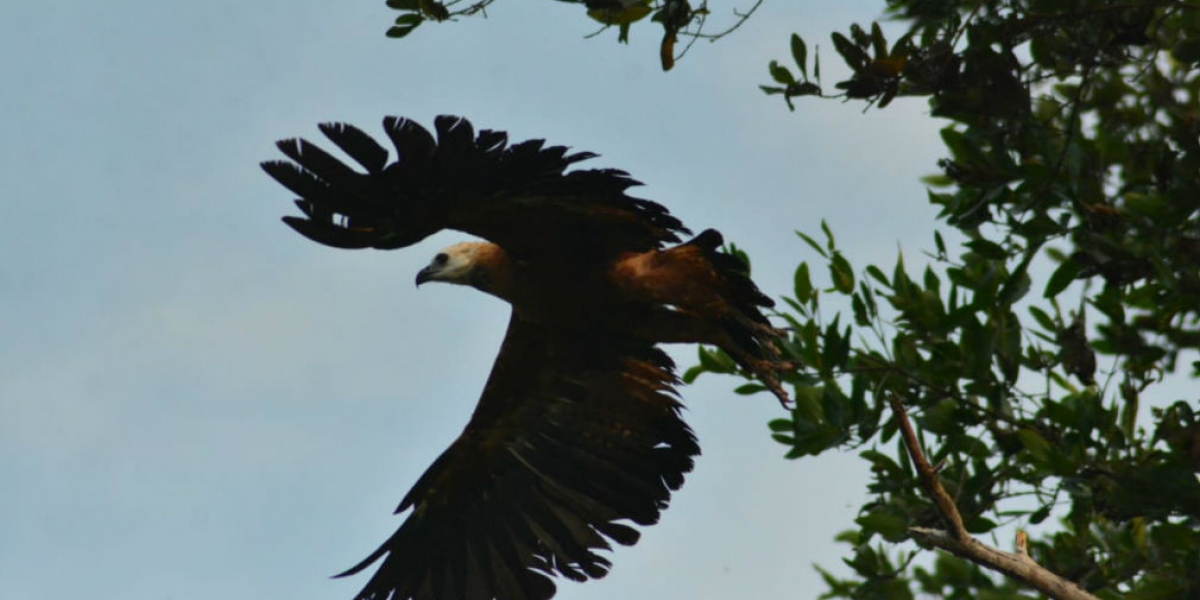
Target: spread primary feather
[[577, 436]]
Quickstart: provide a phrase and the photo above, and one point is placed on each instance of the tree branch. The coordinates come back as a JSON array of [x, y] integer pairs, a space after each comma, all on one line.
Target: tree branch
[[958, 541]]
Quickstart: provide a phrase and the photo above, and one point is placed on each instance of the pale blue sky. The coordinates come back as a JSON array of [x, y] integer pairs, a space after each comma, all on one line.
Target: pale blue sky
[[197, 403]]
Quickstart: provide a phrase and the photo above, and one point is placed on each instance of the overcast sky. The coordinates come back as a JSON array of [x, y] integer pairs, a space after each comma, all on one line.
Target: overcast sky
[[197, 403]]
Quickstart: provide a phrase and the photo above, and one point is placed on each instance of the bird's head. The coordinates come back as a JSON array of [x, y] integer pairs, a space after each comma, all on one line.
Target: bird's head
[[481, 265]]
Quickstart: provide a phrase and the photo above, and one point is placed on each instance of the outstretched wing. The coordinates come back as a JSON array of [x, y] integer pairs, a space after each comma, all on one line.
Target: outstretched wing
[[519, 196], [570, 444]]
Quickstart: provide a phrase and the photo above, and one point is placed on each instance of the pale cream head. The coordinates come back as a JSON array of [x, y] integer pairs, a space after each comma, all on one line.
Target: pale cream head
[[456, 264]]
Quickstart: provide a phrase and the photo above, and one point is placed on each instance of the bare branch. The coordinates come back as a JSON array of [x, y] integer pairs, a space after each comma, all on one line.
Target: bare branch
[[928, 476], [958, 541]]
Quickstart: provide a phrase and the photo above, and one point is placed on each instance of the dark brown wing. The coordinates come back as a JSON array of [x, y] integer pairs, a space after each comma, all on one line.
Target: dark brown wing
[[573, 440], [519, 196]]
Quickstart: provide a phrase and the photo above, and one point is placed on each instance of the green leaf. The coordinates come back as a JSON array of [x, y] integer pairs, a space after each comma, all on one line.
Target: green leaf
[[884, 463], [621, 16], [794, 305], [808, 405], [1187, 50], [860, 311], [749, 388], [878, 42], [887, 98], [828, 235], [868, 298], [1015, 288], [899, 276], [780, 74], [785, 439], [842, 273], [940, 417], [987, 249], [813, 244], [892, 527], [1039, 515], [932, 283], [878, 275], [937, 180], [861, 39], [1129, 412], [1037, 445], [979, 524], [956, 141], [1039, 226], [800, 54], [854, 56], [713, 360], [802, 284], [1067, 272], [837, 348], [405, 24], [1043, 319], [977, 347], [780, 425], [833, 404]]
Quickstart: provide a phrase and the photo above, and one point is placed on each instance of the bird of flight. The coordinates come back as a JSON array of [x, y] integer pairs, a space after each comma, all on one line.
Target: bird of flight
[[577, 435]]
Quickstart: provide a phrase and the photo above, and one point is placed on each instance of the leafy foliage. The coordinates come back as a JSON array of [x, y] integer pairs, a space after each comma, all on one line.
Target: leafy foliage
[[677, 18], [1074, 142]]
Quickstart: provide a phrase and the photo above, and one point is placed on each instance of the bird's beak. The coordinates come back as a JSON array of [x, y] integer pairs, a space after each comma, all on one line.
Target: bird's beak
[[424, 275]]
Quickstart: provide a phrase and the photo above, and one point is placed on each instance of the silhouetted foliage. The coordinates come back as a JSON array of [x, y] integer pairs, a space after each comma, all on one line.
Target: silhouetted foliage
[[1074, 141], [676, 18]]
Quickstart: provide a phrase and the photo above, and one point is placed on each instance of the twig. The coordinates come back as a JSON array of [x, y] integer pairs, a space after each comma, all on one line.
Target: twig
[[742, 18], [958, 541]]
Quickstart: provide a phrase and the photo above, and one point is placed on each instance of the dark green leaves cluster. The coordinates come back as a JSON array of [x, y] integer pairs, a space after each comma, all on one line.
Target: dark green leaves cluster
[[791, 86], [415, 12], [1028, 356]]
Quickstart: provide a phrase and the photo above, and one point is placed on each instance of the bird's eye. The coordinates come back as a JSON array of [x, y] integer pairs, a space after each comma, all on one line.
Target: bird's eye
[[441, 258]]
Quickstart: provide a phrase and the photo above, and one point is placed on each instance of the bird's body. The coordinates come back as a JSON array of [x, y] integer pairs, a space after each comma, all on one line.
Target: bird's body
[[577, 432]]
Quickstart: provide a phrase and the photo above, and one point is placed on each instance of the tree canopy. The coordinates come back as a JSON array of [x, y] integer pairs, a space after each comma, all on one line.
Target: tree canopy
[[1015, 381]]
